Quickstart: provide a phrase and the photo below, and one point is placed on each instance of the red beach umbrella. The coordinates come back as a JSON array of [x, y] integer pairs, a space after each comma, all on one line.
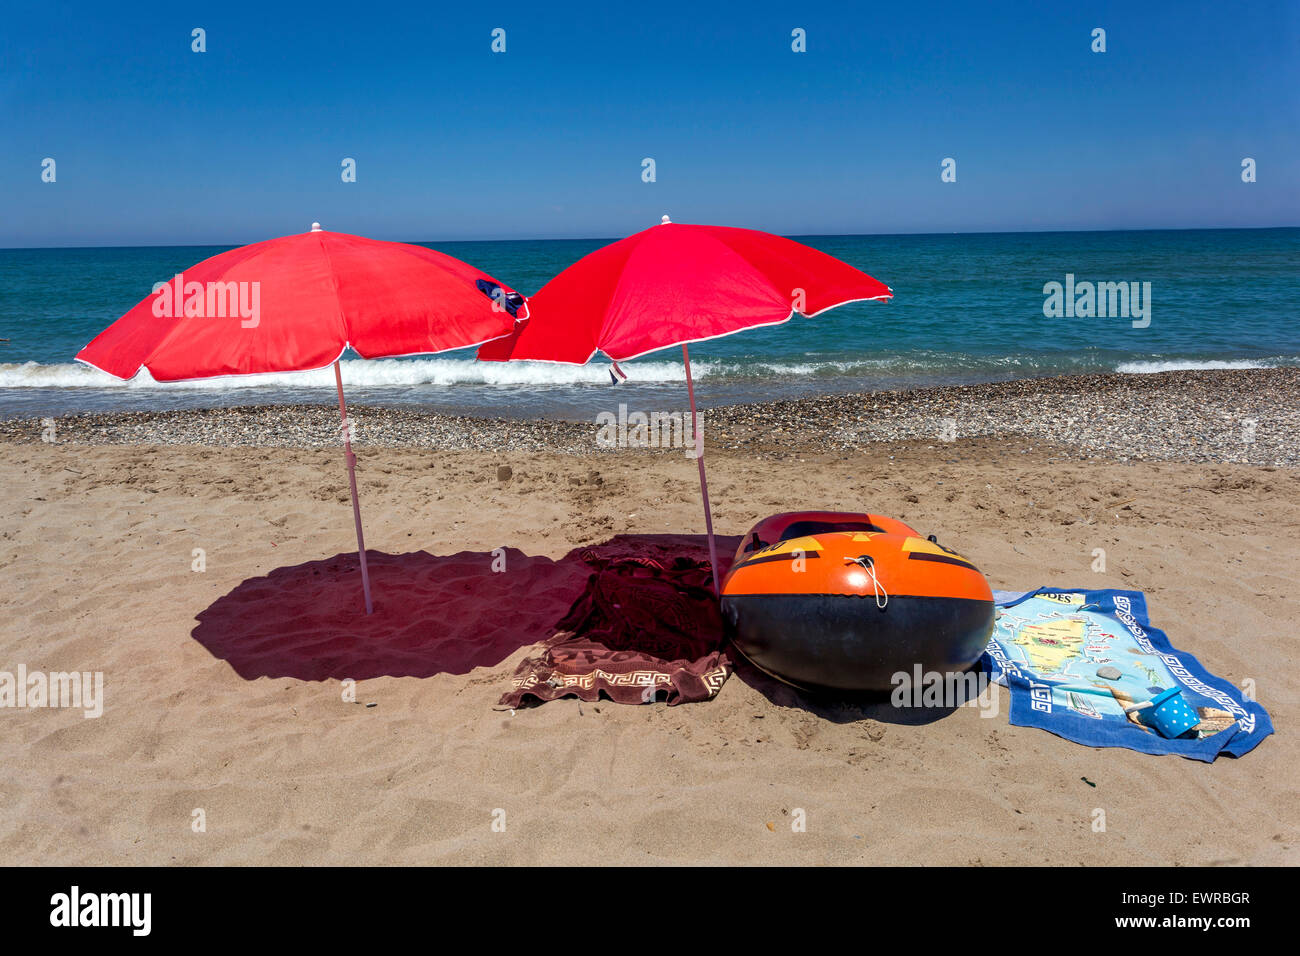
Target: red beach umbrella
[[674, 284], [295, 304]]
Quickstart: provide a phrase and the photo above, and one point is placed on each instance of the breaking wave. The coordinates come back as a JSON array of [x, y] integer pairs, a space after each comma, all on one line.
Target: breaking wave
[[1188, 365], [408, 373]]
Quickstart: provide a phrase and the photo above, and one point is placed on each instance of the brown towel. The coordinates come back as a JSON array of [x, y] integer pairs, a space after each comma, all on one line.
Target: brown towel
[[638, 630]]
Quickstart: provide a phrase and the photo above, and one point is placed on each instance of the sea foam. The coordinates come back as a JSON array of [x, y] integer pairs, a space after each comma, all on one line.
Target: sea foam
[[376, 373], [1190, 365]]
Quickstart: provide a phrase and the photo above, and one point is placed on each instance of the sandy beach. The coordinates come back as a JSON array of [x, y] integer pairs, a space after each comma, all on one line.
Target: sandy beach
[[223, 688]]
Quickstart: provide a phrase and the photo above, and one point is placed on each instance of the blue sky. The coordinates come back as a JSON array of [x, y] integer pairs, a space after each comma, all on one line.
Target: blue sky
[[155, 144]]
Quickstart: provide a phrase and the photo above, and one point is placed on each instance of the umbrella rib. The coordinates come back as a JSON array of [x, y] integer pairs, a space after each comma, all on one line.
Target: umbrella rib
[[598, 332], [623, 276], [338, 298], [409, 249], [704, 338], [794, 266], [252, 252]]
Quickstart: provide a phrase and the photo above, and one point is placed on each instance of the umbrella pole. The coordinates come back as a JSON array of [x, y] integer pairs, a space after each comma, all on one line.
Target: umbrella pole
[[351, 459], [704, 483]]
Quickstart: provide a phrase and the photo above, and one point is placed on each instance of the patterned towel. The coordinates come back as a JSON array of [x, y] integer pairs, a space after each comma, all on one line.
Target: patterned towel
[[1074, 660], [638, 630]]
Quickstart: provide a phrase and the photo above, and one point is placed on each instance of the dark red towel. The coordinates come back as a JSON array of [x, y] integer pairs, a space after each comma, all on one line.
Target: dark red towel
[[639, 630]]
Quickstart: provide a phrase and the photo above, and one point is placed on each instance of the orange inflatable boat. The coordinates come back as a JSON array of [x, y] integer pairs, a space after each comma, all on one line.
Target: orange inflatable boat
[[828, 599]]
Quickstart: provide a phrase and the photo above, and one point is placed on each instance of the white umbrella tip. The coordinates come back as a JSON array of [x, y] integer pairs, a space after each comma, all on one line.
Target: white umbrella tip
[[664, 221], [315, 227]]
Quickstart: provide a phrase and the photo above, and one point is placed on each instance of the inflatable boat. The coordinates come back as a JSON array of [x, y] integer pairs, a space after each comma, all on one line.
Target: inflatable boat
[[835, 600]]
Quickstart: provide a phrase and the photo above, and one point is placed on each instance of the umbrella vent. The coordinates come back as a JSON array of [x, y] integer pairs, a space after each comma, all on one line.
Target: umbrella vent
[[510, 301]]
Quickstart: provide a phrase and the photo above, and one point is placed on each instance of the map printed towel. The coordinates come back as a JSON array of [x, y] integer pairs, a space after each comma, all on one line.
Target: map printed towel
[[1048, 646]]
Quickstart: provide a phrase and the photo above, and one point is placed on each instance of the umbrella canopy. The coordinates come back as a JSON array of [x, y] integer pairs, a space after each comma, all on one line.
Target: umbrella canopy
[[674, 284], [295, 304]]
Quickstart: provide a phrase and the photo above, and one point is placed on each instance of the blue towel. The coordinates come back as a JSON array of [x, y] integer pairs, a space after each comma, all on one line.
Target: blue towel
[[1047, 646]]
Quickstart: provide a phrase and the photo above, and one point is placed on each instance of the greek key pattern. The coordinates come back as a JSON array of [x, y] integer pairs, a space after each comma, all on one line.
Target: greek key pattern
[[589, 679], [714, 679]]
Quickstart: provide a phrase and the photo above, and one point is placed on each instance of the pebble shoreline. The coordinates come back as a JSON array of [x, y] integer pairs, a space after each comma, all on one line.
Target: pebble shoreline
[[1249, 416]]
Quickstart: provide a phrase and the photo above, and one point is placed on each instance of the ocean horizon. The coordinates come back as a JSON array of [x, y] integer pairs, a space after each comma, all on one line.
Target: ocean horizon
[[967, 308]]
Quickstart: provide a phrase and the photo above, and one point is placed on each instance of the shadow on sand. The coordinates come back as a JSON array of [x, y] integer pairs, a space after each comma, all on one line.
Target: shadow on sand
[[447, 614], [840, 707], [434, 614]]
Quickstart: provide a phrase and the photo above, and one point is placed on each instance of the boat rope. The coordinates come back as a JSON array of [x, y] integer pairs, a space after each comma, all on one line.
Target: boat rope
[[865, 562]]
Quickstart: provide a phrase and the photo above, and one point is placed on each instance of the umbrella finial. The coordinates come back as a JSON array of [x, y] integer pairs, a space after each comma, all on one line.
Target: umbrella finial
[[664, 221], [315, 227]]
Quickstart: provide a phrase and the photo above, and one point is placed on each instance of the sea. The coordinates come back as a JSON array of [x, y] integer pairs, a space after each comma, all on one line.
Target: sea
[[967, 308]]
